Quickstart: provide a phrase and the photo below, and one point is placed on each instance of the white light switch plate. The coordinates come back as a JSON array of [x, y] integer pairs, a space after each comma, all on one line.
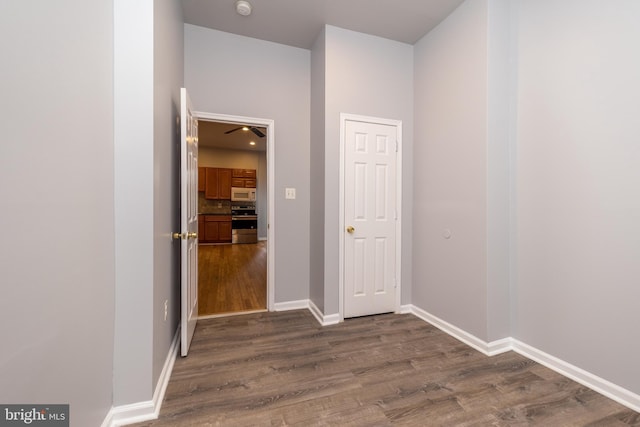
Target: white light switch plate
[[290, 193]]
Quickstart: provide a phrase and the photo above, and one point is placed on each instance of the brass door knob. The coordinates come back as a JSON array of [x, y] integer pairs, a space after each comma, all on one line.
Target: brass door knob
[[350, 229], [185, 236]]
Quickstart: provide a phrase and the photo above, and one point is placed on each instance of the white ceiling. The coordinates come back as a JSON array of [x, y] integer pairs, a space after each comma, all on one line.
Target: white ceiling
[[298, 22]]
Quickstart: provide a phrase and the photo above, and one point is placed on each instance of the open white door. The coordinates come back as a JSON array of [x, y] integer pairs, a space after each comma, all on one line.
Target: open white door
[[188, 222]]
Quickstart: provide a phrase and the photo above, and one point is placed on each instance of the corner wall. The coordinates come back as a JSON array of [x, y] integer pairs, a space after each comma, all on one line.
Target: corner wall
[[316, 171], [578, 200], [552, 154], [168, 77], [147, 80], [450, 163]]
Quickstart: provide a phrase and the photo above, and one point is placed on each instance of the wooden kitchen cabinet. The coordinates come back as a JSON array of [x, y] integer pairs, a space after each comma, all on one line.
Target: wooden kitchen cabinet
[[211, 183], [224, 231], [217, 229], [200, 228], [217, 183], [201, 179], [243, 178], [211, 231], [244, 173], [224, 184]]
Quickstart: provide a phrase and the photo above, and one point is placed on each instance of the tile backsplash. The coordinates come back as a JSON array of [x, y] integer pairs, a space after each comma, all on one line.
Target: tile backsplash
[[208, 206]]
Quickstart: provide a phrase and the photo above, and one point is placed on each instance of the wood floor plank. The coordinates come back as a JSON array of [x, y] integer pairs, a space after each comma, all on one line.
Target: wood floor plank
[[283, 369], [232, 278]]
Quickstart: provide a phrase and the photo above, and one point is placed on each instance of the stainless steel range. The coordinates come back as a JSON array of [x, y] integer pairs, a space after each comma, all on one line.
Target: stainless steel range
[[244, 223]]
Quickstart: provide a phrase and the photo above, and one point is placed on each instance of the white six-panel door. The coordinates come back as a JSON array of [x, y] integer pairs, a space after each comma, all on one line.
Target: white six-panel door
[[369, 264], [188, 222]]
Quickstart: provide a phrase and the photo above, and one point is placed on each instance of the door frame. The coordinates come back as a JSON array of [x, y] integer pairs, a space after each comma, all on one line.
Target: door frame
[[270, 125], [344, 117]]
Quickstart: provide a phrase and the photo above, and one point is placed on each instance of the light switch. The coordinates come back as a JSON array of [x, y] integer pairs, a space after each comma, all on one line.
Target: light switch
[[290, 193]]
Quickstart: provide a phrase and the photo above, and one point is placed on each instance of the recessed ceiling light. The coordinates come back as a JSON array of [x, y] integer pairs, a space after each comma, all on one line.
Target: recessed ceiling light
[[244, 128], [243, 7], [252, 143]]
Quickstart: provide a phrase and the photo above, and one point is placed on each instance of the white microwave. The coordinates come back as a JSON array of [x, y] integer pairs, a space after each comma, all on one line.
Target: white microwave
[[239, 194]]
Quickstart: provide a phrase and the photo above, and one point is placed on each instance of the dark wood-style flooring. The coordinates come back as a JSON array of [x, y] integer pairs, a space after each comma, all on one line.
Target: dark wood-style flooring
[[283, 369], [232, 278]]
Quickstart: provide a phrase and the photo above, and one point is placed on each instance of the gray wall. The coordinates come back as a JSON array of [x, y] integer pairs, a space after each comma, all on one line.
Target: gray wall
[[148, 75], [527, 114], [56, 197], [450, 163], [463, 170], [578, 200], [369, 76], [133, 152], [316, 172], [168, 76], [499, 170], [230, 74]]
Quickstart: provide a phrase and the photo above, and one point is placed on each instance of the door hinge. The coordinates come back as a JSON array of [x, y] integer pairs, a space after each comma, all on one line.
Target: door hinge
[[397, 145]]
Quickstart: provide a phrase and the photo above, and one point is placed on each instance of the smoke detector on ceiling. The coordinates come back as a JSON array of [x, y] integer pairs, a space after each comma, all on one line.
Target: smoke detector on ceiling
[[243, 7]]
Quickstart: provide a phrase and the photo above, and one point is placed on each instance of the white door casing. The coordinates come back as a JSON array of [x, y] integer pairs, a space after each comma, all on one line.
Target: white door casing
[[370, 226], [188, 222]]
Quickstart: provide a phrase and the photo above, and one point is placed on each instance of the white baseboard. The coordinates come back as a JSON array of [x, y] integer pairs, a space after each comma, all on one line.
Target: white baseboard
[[235, 313], [490, 349], [330, 319], [607, 388], [499, 346], [600, 385], [108, 421], [291, 305], [313, 308], [148, 410], [406, 309]]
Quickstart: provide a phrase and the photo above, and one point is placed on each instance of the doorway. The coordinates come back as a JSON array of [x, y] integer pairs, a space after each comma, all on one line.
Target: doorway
[[370, 223], [238, 270], [232, 278]]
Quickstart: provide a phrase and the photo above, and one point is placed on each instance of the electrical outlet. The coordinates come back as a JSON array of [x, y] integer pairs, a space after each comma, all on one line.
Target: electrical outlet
[[290, 193], [166, 309]]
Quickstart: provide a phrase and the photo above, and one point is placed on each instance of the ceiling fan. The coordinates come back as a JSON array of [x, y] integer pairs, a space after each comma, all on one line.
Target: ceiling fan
[[253, 129]]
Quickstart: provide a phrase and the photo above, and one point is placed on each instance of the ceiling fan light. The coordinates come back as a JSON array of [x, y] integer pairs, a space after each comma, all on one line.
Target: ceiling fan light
[[243, 7]]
